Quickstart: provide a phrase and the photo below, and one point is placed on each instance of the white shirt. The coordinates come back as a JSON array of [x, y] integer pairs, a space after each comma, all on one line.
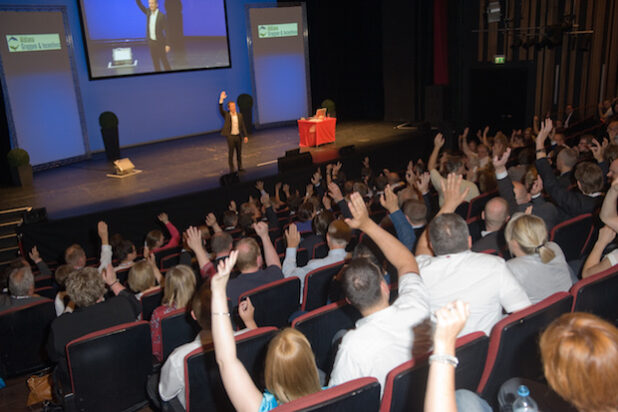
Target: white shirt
[[384, 339], [152, 25], [234, 118], [541, 280], [289, 264], [484, 281], [612, 257], [106, 257]]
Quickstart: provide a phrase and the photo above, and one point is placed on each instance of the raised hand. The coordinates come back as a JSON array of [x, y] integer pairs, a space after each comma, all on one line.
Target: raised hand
[[34, 255], [450, 321], [389, 200], [316, 178], [232, 206], [500, 162], [292, 237], [194, 238], [211, 220], [537, 186], [246, 312], [265, 200], [438, 141], [453, 196], [222, 96], [328, 204], [163, 218], [309, 191], [259, 185], [261, 229], [366, 162], [219, 281], [335, 192], [422, 183], [360, 215]]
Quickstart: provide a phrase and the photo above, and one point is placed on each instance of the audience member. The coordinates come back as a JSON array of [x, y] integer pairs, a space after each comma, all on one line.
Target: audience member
[[155, 239], [495, 215], [538, 265], [387, 335], [178, 290], [63, 302], [290, 371], [144, 277], [455, 272], [21, 288]]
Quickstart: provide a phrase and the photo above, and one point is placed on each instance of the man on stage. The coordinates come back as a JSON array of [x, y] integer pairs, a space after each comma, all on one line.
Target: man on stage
[[155, 33], [233, 127]]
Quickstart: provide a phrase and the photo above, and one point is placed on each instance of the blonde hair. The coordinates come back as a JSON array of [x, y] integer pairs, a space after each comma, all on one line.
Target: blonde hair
[[179, 286], [290, 370], [530, 233], [141, 276], [580, 354]]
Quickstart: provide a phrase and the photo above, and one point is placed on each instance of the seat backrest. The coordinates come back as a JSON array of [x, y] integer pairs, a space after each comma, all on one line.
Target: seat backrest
[[477, 204], [109, 368], [166, 252], [406, 384], [320, 327], [573, 235], [204, 388], [150, 301], [597, 294], [48, 292], [177, 328], [169, 261], [123, 276], [475, 227], [275, 301], [513, 344], [320, 250], [362, 394], [317, 285], [23, 334]]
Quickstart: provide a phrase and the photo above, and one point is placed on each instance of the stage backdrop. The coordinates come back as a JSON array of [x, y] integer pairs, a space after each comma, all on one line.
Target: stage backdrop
[[159, 106]]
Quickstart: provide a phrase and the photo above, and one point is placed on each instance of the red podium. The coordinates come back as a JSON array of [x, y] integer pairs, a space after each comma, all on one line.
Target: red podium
[[316, 132]]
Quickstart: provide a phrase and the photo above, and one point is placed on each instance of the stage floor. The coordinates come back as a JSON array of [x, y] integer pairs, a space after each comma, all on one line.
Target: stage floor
[[174, 168]]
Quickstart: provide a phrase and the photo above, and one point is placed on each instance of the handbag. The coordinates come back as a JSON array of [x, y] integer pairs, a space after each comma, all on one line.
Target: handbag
[[40, 389]]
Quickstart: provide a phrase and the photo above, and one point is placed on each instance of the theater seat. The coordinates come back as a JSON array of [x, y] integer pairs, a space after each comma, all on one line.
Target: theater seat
[[169, 261], [362, 394], [573, 235], [274, 302], [321, 325], [177, 328], [477, 204], [23, 334], [204, 388], [597, 294], [109, 368], [150, 301], [513, 344], [320, 250], [406, 384], [317, 285]]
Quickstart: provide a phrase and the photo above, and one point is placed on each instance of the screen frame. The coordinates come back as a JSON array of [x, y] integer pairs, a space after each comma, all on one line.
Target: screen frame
[[86, 39]]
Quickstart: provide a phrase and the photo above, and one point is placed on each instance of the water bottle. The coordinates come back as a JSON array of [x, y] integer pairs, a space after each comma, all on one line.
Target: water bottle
[[524, 403]]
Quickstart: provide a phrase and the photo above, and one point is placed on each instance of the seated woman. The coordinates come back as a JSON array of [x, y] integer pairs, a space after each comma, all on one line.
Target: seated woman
[[155, 238], [290, 369], [538, 265], [144, 276], [178, 289], [580, 354]]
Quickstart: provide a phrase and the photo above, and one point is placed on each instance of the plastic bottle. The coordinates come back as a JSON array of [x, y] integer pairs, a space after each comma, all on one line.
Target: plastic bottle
[[524, 403]]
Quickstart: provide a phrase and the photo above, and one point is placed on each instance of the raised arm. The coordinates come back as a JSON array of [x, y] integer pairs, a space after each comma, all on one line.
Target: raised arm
[[270, 253], [403, 228], [594, 264], [194, 241], [438, 142], [243, 393], [396, 253], [106, 249], [440, 392], [222, 98], [141, 6], [174, 233]]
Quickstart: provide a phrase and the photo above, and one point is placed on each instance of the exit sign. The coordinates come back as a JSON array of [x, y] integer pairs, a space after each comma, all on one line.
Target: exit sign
[[499, 59]]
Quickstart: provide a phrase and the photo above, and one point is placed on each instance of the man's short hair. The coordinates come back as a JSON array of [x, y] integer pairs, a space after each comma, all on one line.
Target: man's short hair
[[361, 188], [611, 153], [381, 181], [415, 210], [230, 219], [62, 273], [339, 232], [200, 305], [21, 281], [361, 283], [590, 177], [123, 249], [221, 242], [85, 286], [568, 156], [153, 237], [453, 163], [248, 253], [75, 255], [448, 234]]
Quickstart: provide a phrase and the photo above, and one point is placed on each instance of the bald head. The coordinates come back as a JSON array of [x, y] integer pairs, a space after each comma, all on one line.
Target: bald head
[[249, 255], [496, 213]]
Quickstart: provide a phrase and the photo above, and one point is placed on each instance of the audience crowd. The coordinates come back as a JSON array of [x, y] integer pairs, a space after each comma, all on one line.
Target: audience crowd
[[443, 248]]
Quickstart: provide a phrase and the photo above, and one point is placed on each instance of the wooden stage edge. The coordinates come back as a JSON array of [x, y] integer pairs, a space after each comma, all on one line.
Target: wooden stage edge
[[176, 167]]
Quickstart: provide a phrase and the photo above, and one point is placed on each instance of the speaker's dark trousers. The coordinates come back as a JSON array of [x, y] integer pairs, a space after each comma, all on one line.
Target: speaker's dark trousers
[[157, 52], [234, 142]]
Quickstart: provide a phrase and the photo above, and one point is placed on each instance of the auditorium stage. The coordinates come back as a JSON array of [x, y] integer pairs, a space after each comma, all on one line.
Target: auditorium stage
[[177, 167]]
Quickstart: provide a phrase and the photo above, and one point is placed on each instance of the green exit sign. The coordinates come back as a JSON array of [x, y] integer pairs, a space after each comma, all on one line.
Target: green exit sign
[[499, 59]]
